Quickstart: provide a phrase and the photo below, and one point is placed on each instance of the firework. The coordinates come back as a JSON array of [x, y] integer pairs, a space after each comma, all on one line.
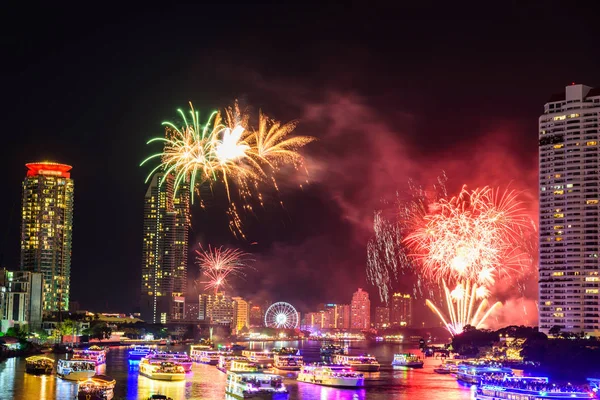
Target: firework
[[226, 150], [218, 265]]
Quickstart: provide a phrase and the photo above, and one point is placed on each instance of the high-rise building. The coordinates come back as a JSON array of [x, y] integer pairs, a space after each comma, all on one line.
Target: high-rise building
[[569, 240], [343, 313], [216, 308], [192, 311], [401, 310], [241, 314], [382, 317], [361, 310], [257, 316], [165, 250], [21, 297], [46, 230]]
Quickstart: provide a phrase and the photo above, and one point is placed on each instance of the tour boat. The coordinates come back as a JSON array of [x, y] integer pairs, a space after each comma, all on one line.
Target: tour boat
[[407, 360], [288, 362], [139, 351], [39, 365], [245, 365], [210, 357], [528, 388], [75, 370], [98, 387], [331, 375], [255, 385], [263, 357], [225, 362], [197, 349], [365, 363], [95, 355], [161, 370], [177, 358], [472, 374], [447, 367]]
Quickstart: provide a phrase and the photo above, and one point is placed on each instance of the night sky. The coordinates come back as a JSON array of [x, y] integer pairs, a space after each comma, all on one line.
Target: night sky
[[390, 93]]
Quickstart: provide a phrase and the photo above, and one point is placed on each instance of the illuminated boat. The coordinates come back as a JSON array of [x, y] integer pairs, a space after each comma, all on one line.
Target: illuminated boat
[[245, 365], [288, 362], [366, 363], [98, 356], [262, 357], [139, 351], [225, 362], [161, 370], [39, 365], [75, 370], [407, 360], [197, 349], [282, 351], [98, 387], [210, 357], [528, 388], [176, 358], [331, 375], [447, 367], [473, 374], [255, 385]]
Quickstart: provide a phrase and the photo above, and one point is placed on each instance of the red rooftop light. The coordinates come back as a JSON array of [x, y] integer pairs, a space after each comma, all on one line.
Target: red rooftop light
[[48, 168]]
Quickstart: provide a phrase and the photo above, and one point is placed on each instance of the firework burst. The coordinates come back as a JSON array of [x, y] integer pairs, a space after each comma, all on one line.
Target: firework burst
[[218, 265]]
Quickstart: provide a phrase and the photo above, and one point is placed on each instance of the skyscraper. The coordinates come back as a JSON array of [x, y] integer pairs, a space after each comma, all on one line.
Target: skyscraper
[[46, 230], [241, 314], [361, 310], [165, 248], [401, 310], [382, 317], [569, 181]]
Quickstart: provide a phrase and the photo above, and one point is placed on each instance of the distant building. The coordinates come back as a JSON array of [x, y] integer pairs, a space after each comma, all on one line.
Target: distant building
[[312, 321], [257, 316], [46, 230], [21, 303], [165, 251], [361, 310], [192, 311], [382, 317], [569, 185], [343, 314], [216, 308], [401, 310], [241, 314]]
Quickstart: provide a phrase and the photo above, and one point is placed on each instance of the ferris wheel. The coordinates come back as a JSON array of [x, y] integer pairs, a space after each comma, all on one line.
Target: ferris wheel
[[281, 315]]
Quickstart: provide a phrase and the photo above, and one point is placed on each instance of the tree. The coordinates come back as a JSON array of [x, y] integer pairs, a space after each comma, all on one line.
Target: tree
[[555, 330]]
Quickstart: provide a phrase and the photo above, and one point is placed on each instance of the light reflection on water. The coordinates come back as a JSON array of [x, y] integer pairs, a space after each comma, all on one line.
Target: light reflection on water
[[207, 382]]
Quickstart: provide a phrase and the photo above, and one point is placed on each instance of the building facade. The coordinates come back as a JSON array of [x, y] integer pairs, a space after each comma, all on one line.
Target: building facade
[[165, 251], [361, 310], [47, 230], [21, 299], [343, 313], [216, 308], [192, 311], [257, 316], [401, 310], [569, 184], [241, 314], [382, 317]]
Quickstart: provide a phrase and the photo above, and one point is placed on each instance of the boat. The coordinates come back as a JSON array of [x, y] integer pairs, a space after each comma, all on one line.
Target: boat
[[39, 365], [225, 362], [98, 387], [285, 351], [366, 363], [245, 365], [161, 370], [331, 375], [472, 374], [75, 370], [139, 351], [262, 357], [407, 360], [210, 357], [288, 362], [332, 349], [197, 349], [177, 358], [95, 355], [159, 397], [255, 385], [447, 367], [528, 388]]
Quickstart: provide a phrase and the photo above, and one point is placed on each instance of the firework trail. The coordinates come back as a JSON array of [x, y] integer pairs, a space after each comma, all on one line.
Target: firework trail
[[227, 151], [218, 265]]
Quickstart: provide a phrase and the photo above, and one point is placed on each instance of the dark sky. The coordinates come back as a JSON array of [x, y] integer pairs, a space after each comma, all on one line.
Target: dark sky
[[391, 93]]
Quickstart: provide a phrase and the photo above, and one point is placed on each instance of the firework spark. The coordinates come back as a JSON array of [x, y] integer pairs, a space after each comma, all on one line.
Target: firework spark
[[227, 150], [218, 265]]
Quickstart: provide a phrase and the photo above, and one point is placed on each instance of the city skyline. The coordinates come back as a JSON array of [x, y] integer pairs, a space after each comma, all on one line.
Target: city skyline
[[419, 121]]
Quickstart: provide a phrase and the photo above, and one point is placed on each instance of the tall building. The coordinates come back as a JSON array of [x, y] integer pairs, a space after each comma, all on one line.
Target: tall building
[[361, 310], [165, 251], [401, 310], [192, 311], [382, 317], [46, 230], [21, 301], [257, 316], [241, 313], [569, 240], [343, 314], [216, 308]]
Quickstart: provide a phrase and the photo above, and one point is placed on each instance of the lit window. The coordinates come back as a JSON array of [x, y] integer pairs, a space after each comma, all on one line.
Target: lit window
[[558, 146], [591, 291], [559, 192], [592, 279], [560, 118], [573, 115], [557, 175], [558, 273], [592, 143], [591, 202], [559, 215]]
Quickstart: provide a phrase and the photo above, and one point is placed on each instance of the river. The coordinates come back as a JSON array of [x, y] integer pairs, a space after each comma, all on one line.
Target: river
[[207, 382]]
